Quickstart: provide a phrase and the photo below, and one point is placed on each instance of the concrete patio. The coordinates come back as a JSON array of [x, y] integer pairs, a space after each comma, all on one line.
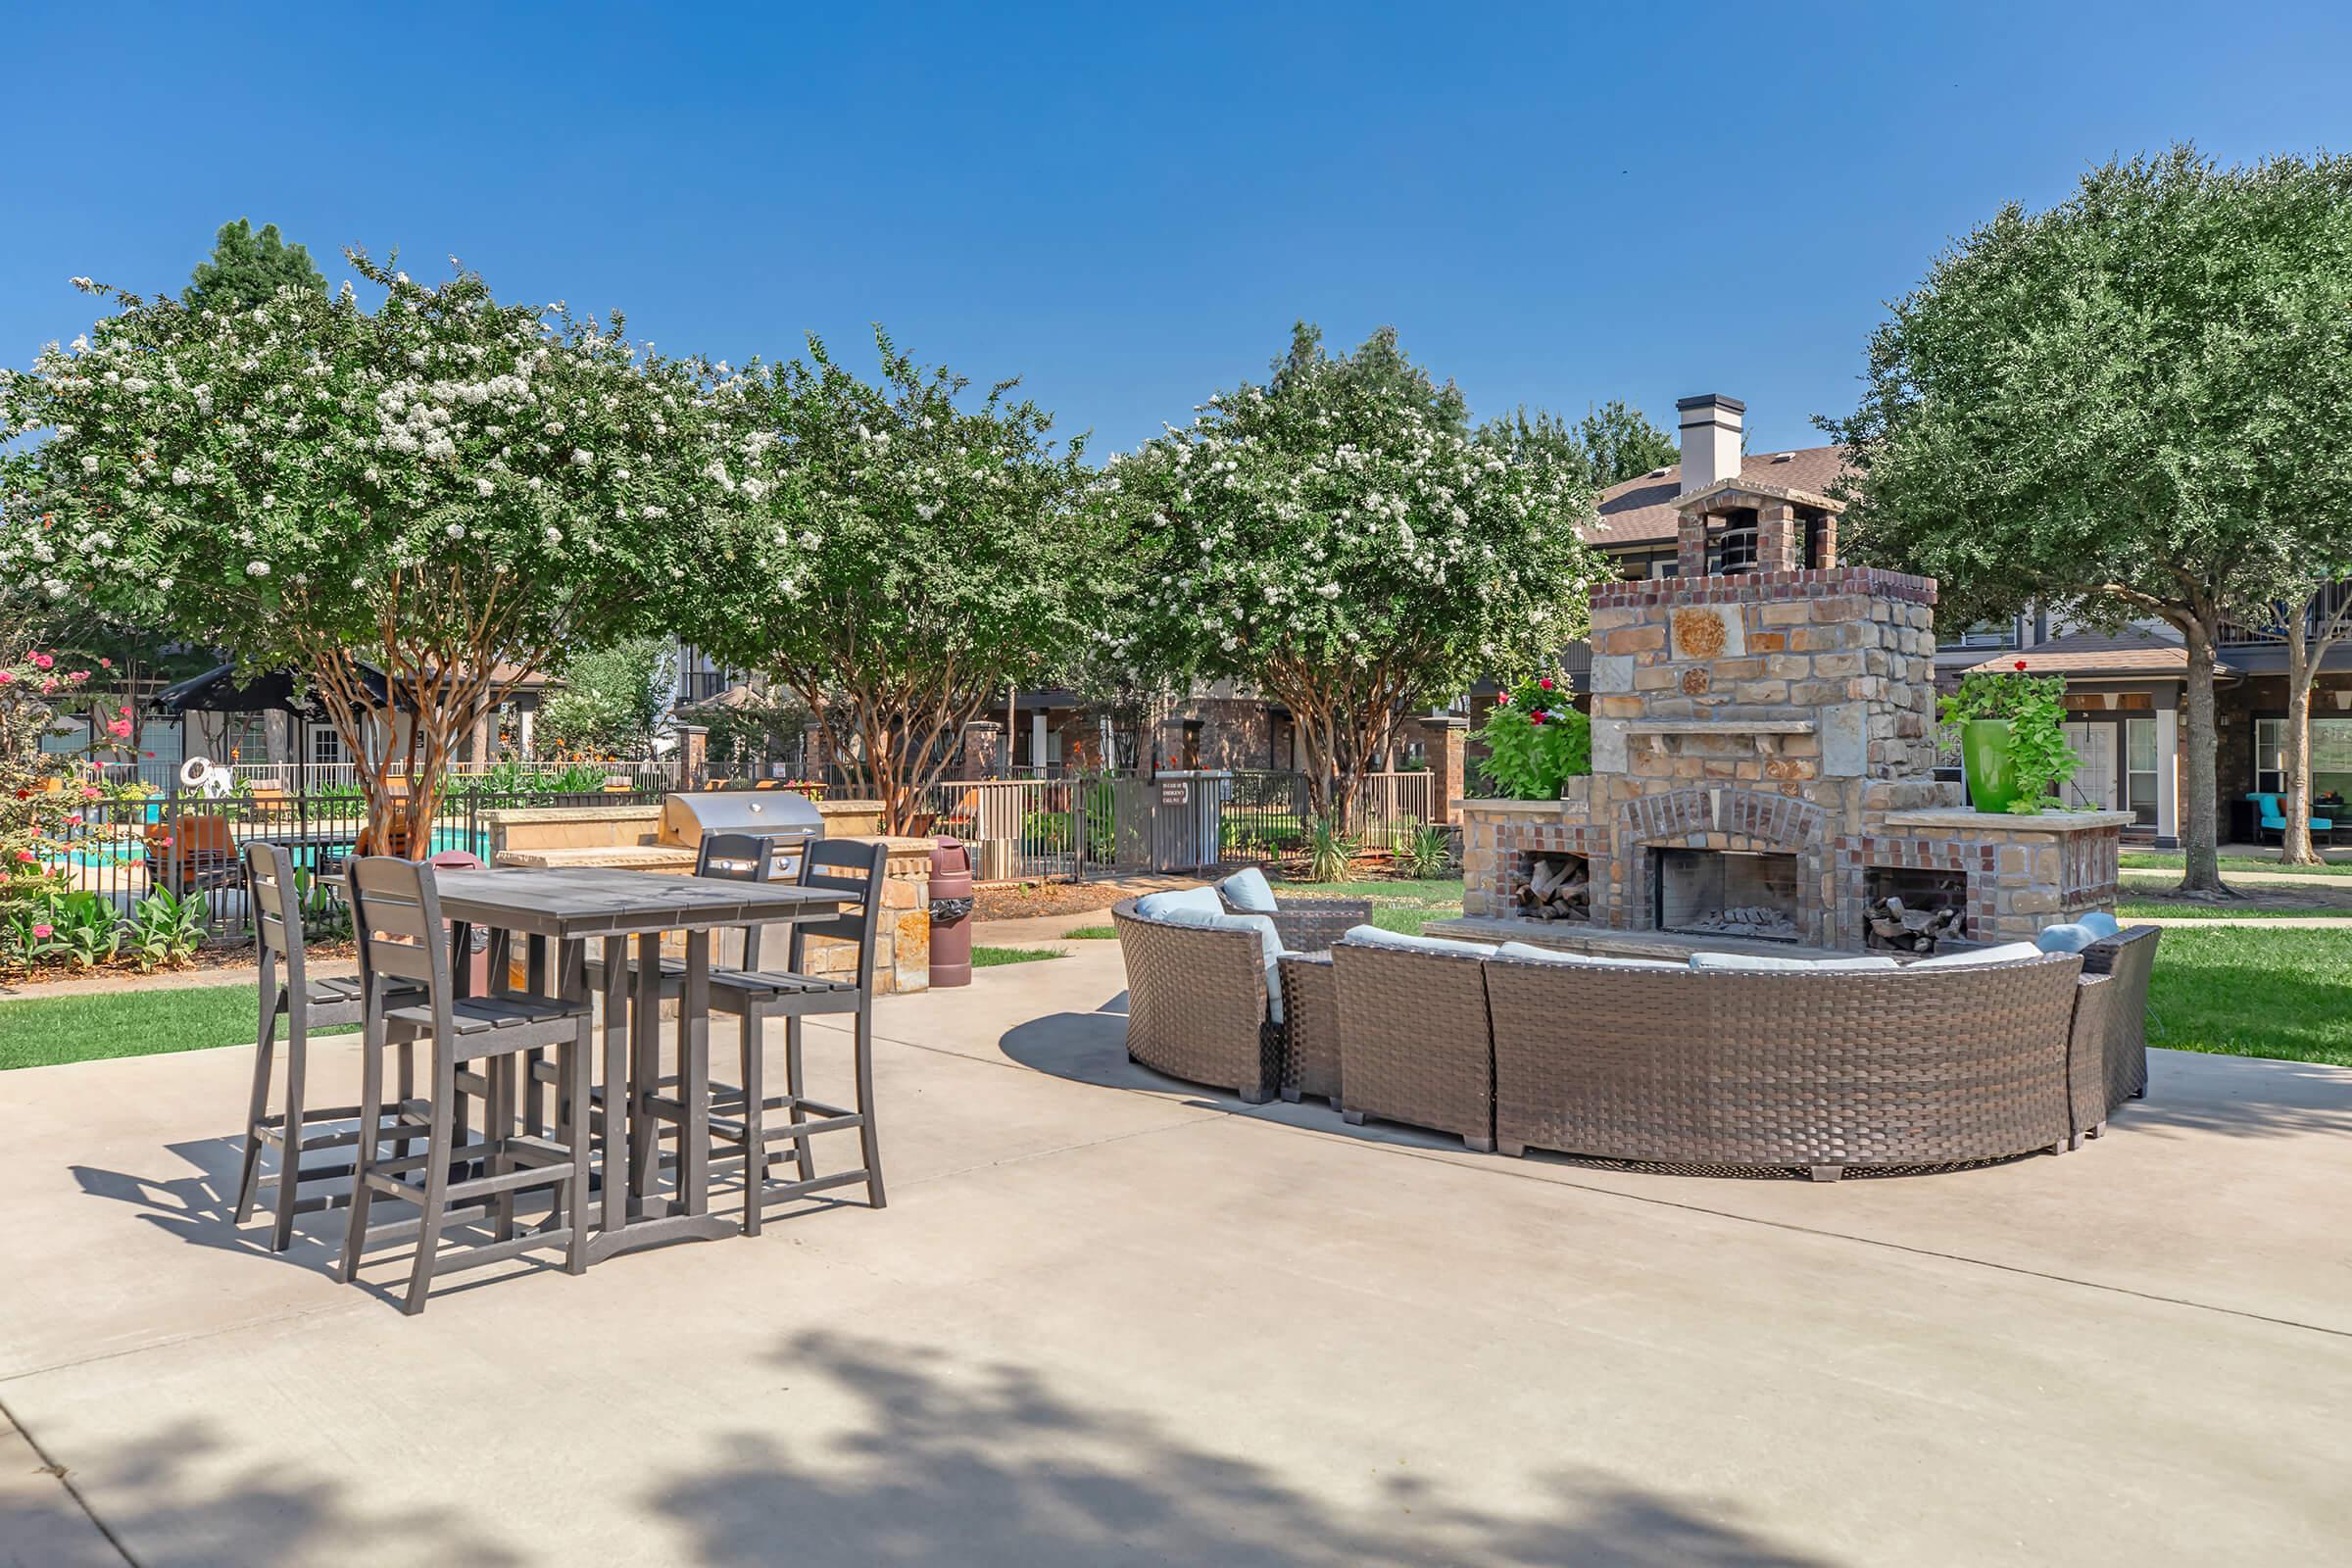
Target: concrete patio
[[1110, 1318]]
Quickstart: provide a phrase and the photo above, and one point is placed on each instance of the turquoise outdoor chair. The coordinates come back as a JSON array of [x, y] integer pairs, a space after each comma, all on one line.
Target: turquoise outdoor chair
[[2272, 817]]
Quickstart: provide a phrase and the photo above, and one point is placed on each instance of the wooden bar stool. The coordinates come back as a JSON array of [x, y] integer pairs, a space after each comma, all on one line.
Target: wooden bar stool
[[306, 1005], [400, 938], [743, 1114]]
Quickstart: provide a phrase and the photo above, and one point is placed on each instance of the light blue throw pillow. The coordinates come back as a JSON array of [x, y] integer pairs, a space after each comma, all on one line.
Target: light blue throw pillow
[[1160, 905], [1247, 890], [2102, 924], [2065, 938]]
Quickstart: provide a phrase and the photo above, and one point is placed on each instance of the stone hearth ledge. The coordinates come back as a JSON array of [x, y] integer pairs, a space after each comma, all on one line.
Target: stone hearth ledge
[[1961, 821]]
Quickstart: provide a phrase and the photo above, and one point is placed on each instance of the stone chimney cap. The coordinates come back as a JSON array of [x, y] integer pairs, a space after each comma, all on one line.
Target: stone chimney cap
[[1711, 498], [1710, 399]]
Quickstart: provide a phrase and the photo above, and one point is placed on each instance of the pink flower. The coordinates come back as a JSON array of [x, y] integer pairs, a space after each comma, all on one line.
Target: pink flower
[[26, 856], [44, 932], [42, 660], [108, 664], [88, 792], [125, 710], [120, 729], [77, 675], [7, 677], [74, 820], [1502, 700]]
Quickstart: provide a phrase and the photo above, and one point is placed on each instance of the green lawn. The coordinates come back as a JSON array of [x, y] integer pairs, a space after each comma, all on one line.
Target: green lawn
[[2253, 993], [2172, 860], [990, 957], [46, 1029], [2183, 910]]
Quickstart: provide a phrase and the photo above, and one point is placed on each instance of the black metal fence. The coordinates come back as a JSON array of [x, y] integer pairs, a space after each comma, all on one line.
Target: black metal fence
[[123, 848]]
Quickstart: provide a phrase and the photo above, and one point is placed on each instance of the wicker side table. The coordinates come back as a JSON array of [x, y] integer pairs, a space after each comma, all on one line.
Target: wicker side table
[[1310, 1014]]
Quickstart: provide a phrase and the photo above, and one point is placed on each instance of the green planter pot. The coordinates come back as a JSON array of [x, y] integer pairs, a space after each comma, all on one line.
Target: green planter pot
[[1985, 757]]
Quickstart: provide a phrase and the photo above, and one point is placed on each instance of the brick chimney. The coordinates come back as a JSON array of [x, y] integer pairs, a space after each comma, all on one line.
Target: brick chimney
[[1712, 426]]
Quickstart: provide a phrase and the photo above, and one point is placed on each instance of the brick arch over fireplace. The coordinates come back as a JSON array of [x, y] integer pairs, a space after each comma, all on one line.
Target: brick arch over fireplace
[[1770, 821]]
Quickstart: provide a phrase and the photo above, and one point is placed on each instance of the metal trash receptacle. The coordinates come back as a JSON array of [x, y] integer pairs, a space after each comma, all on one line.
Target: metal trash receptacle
[[951, 913]]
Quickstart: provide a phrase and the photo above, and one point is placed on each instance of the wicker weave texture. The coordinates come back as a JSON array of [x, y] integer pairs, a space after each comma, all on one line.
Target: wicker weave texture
[[1197, 1004], [2087, 1049], [2130, 958], [1740, 1067], [1311, 925], [1415, 1045], [1310, 1014]]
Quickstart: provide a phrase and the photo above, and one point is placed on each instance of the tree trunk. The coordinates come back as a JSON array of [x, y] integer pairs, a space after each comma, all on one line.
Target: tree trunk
[[2202, 872], [2295, 848]]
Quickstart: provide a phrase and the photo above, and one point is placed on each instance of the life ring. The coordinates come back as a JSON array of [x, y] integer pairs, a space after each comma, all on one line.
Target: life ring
[[202, 773]]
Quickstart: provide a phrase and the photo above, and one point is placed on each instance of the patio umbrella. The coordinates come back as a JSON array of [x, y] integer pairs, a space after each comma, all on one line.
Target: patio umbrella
[[218, 691]]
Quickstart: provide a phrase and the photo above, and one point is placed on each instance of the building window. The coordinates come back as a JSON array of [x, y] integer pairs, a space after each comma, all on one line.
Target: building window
[[2139, 769], [2270, 755]]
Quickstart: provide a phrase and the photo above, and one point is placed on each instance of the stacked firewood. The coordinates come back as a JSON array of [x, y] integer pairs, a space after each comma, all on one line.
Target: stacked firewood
[[1556, 888], [1910, 930]]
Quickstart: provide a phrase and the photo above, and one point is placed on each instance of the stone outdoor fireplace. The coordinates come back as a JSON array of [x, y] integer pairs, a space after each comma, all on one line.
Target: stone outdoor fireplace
[[1763, 761], [1737, 893]]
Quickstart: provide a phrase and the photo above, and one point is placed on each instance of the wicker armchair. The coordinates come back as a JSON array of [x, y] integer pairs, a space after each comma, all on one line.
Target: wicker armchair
[[1310, 925], [1197, 1004], [1414, 1042], [1780, 1069], [2128, 957]]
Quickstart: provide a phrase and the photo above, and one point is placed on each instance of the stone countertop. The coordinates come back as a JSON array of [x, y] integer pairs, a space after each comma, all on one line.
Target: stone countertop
[[1498, 807], [1960, 820], [622, 857]]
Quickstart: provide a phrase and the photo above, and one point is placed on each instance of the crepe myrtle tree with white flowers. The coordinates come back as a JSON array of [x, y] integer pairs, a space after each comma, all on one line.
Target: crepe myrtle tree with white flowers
[[1340, 541], [448, 489], [913, 557]]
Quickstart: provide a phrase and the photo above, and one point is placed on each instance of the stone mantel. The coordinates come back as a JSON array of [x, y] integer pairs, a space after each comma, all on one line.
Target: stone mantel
[[1965, 822], [1495, 806]]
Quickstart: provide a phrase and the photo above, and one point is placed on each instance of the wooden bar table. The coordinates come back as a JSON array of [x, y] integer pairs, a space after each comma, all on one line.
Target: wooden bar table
[[566, 908]]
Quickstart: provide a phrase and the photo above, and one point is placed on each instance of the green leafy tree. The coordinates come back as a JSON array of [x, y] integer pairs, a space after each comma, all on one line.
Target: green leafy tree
[[247, 269], [1612, 443], [447, 489], [912, 558], [612, 698], [2101, 408], [1339, 541]]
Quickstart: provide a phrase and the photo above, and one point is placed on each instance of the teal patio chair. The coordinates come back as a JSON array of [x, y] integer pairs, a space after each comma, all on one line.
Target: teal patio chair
[[2272, 818]]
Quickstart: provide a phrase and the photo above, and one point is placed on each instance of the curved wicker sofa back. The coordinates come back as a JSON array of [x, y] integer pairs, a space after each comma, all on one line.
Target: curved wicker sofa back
[[1772, 1068], [1197, 1004], [2127, 959]]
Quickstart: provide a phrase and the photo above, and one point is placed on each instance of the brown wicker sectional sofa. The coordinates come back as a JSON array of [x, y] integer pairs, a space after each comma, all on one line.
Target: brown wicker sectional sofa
[[1197, 1004], [1825, 1071]]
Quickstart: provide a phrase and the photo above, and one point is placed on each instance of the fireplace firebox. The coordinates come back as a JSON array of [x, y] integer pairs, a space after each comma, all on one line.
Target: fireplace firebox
[[1734, 893]]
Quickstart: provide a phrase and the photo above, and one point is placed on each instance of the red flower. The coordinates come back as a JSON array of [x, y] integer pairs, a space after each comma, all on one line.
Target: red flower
[[2021, 664], [1545, 684], [26, 855], [1539, 716]]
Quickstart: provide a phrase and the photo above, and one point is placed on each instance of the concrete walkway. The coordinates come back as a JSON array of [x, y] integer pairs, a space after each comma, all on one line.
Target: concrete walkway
[[1107, 1318]]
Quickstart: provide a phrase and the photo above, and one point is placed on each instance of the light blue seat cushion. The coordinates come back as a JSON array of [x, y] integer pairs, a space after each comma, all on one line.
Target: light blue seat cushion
[[1760, 961], [1160, 905], [2102, 924], [2070, 938], [1247, 888], [1269, 940], [2008, 952], [1373, 936], [1536, 954]]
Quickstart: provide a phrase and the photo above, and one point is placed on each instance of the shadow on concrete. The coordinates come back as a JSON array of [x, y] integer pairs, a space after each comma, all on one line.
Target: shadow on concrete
[[962, 1464], [199, 1208], [2241, 1097], [166, 1499]]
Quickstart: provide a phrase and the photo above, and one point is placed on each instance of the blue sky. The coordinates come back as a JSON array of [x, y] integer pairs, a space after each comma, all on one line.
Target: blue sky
[[1128, 208]]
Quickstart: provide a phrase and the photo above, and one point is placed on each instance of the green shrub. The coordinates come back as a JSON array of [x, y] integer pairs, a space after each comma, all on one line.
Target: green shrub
[[1426, 853], [1533, 747]]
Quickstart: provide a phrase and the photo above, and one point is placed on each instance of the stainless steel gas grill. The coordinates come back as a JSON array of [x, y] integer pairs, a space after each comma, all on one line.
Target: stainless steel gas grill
[[792, 819]]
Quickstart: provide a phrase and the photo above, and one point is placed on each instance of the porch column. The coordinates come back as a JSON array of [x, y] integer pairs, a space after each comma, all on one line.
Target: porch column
[[523, 721], [1037, 743], [1450, 763], [2168, 778]]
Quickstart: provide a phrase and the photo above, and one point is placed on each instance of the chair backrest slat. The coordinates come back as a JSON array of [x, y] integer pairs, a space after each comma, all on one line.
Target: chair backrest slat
[[276, 903], [397, 915], [740, 857], [834, 865]]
